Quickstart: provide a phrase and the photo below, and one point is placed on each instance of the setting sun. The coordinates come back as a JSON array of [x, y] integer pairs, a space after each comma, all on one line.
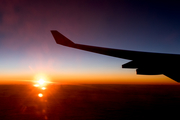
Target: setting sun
[[41, 81]]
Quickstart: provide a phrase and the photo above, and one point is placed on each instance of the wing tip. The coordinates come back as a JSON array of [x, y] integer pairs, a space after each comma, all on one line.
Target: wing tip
[[61, 39]]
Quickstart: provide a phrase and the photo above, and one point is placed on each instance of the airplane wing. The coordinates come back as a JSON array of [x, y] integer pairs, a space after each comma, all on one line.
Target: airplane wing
[[145, 63]]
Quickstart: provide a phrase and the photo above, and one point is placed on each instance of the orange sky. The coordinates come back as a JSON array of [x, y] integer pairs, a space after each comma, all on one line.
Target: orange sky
[[72, 78]]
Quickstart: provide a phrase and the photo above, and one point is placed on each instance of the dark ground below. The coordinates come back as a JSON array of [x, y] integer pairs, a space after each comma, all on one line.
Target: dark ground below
[[89, 102]]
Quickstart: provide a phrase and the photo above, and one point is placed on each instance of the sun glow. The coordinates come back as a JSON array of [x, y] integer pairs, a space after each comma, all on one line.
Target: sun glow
[[41, 81], [36, 85]]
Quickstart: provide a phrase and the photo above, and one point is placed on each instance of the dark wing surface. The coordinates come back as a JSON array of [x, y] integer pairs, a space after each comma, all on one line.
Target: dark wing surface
[[145, 63]]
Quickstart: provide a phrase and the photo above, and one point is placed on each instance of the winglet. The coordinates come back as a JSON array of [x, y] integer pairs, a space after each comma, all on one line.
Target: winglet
[[61, 39]]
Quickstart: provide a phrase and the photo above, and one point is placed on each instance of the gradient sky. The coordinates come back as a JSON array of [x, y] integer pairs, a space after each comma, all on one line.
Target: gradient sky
[[28, 49]]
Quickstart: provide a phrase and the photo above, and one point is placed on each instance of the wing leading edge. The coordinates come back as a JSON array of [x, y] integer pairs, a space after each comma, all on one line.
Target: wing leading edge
[[145, 63]]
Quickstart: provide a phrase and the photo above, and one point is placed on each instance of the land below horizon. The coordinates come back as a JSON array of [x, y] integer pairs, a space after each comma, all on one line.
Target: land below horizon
[[93, 101]]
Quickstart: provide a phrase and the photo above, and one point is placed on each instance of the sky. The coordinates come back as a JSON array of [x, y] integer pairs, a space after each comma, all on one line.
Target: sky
[[28, 50]]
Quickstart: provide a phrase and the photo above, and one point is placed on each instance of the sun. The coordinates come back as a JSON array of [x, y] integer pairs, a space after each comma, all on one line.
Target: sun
[[41, 81]]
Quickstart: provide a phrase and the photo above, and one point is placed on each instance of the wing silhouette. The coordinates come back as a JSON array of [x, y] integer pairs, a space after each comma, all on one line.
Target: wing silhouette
[[145, 63]]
